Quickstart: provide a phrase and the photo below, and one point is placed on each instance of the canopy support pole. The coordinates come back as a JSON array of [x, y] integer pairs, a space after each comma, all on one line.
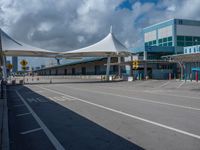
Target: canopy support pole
[[182, 69], [119, 66], [3, 59], [4, 71], [108, 68]]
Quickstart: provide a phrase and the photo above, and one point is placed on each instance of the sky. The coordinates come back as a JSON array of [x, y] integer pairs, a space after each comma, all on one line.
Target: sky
[[63, 25]]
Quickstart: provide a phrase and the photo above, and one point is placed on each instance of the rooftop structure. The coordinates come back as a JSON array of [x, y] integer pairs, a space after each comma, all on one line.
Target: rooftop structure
[[176, 33]]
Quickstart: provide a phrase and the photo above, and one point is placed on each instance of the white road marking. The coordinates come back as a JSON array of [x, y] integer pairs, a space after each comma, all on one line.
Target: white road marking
[[49, 134], [126, 114], [163, 84], [151, 92], [61, 98], [58, 99], [139, 99], [180, 85], [30, 131], [19, 105], [42, 100], [23, 114], [38, 91]]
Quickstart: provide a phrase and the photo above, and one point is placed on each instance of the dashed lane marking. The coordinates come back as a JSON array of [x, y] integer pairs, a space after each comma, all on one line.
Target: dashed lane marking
[[49, 134], [180, 85], [139, 99], [129, 115], [23, 114], [30, 131]]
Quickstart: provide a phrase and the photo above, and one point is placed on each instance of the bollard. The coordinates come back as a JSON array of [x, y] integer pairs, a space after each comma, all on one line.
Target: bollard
[[197, 78], [170, 76]]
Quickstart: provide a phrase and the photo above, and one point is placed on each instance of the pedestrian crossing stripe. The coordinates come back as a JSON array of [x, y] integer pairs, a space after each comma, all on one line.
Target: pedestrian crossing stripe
[[61, 98]]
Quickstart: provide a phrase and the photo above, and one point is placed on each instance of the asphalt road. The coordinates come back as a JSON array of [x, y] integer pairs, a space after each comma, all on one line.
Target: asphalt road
[[152, 115]]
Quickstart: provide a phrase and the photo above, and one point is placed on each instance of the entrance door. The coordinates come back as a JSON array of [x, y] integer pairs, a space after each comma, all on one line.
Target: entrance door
[[97, 70], [83, 71], [73, 71], [65, 71]]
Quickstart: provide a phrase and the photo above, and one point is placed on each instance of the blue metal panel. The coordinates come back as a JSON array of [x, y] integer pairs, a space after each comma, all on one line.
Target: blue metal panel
[[160, 49], [195, 69], [154, 49]]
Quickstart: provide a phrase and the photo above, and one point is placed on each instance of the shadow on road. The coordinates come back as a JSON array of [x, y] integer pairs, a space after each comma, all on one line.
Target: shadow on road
[[73, 131]]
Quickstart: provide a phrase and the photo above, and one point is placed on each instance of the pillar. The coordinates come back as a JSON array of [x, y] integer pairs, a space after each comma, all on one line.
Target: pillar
[[145, 64], [119, 66], [108, 68]]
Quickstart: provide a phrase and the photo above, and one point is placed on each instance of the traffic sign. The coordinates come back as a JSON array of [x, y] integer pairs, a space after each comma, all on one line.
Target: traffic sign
[[135, 64], [9, 66], [24, 63]]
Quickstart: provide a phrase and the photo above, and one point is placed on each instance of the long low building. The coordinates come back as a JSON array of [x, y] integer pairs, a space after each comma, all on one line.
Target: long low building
[[87, 66]]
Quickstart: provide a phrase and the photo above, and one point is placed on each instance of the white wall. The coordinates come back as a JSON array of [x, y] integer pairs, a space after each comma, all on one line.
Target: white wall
[[188, 30]]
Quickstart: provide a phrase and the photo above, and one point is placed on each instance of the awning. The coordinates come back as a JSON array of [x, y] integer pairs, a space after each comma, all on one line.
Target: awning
[[194, 57], [11, 47], [109, 46]]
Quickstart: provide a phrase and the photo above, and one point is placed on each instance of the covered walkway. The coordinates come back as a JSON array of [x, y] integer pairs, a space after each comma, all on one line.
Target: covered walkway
[[107, 47]]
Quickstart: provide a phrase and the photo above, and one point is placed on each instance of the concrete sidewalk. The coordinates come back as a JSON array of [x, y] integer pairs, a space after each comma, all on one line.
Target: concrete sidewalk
[[4, 133]]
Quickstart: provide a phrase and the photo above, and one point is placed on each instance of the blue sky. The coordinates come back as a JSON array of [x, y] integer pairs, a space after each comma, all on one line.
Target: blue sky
[[67, 25], [127, 4]]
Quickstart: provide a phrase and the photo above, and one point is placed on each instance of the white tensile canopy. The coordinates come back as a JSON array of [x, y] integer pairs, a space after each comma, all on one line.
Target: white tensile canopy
[[107, 47], [11, 47]]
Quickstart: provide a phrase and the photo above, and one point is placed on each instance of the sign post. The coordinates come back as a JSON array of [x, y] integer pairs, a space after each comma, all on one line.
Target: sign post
[[135, 65]]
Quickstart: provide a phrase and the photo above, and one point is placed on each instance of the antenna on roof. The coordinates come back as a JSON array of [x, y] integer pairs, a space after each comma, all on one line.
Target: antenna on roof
[[111, 29]]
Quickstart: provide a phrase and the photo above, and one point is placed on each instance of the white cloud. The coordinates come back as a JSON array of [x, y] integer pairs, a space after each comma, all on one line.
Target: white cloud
[[65, 24]]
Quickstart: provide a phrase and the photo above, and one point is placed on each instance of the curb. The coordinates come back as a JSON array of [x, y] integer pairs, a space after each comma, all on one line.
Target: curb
[[5, 145]]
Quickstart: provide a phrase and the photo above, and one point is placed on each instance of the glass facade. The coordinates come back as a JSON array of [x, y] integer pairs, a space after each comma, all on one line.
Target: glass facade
[[167, 41], [187, 41]]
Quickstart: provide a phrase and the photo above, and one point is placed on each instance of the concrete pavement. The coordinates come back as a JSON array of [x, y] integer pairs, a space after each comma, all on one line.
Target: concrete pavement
[[138, 115]]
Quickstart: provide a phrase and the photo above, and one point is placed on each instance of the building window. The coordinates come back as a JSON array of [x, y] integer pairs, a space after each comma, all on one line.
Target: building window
[[180, 38], [190, 50], [180, 22], [180, 43], [164, 39], [169, 44], [188, 44], [188, 38], [73, 71], [185, 51], [169, 38], [196, 39], [194, 50], [165, 44]]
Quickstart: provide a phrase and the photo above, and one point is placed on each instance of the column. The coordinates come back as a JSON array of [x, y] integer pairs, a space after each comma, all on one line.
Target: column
[[108, 68], [145, 64]]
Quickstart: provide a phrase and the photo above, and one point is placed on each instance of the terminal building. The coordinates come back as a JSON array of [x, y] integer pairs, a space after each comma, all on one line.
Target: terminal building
[[161, 39], [15, 64], [166, 38]]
